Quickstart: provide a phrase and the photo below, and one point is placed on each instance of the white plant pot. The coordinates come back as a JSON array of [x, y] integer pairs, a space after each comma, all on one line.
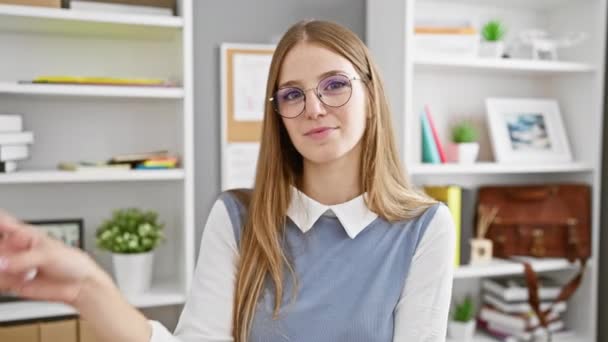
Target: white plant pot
[[461, 332], [492, 49], [465, 153], [133, 271]]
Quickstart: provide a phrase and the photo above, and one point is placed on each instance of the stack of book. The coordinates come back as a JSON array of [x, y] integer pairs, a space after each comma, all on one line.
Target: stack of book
[[156, 160], [13, 142], [100, 80], [147, 7], [445, 38], [507, 315], [432, 148]]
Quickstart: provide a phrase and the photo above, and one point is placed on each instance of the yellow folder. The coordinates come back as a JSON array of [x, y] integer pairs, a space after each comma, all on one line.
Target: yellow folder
[[451, 195]]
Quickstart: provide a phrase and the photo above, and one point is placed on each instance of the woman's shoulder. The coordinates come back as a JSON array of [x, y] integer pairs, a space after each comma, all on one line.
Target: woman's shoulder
[[236, 202], [439, 223], [236, 197]]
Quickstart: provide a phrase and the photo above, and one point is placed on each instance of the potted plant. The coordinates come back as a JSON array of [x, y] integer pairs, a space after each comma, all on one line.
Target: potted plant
[[131, 235], [462, 325], [492, 45], [466, 147]]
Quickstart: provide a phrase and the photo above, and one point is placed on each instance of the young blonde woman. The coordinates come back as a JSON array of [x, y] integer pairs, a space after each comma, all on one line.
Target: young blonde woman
[[332, 244]]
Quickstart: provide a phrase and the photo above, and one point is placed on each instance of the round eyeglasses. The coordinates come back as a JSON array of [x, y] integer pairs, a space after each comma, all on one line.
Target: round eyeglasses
[[332, 91]]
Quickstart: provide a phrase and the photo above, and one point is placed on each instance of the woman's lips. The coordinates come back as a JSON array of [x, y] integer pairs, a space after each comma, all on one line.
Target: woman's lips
[[320, 133]]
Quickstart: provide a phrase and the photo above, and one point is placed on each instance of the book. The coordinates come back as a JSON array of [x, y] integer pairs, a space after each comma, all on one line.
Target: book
[[444, 30], [429, 149], [101, 80], [158, 167], [10, 123], [16, 138], [95, 167], [515, 289], [506, 336], [80, 5], [498, 335], [436, 139], [138, 157], [451, 195], [13, 152], [8, 167], [520, 307], [514, 322], [468, 203], [40, 3], [169, 162], [153, 3]]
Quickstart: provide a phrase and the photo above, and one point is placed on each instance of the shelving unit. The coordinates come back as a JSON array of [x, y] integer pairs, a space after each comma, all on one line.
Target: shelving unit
[[502, 267], [92, 123], [53, 176], [457, 87], [496, 168], [505, 65], [91, 91], [162, 295]]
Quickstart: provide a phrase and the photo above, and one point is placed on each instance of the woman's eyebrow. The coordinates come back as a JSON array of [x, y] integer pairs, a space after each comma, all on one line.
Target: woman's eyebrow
[[294, 83]]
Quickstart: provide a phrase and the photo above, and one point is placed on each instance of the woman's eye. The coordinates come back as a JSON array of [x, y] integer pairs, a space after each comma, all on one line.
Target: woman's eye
[[291, 95], [334, 85]]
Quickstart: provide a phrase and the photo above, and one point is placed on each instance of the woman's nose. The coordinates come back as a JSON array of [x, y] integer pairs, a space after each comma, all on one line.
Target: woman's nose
[[314, 106]]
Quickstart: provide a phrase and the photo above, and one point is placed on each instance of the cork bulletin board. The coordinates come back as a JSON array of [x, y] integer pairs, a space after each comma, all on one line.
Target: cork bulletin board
[[244, 72]]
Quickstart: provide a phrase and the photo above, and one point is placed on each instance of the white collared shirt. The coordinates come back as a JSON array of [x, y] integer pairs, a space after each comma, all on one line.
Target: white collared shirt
[[420, 315]]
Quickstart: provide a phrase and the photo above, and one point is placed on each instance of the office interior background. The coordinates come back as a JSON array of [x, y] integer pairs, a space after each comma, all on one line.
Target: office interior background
[[71, 123]]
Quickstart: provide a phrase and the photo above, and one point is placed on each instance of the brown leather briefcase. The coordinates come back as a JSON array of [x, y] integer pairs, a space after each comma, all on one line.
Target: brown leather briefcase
[[540, 221]]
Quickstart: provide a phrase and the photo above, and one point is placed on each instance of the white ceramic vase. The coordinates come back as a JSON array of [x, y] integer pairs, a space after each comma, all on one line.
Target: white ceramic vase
[[460, 331], [467, 152], [133, 271], [491, 49]]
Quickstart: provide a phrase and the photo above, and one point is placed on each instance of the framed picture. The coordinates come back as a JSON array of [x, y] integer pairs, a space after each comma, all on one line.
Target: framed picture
[[527, 130], [69, 231]]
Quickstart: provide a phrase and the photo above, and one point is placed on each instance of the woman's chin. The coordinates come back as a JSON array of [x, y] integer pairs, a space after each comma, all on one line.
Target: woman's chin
[[323, 156]]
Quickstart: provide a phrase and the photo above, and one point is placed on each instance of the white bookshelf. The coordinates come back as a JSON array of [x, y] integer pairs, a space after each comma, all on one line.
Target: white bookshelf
[[496, 168], [505, 65], [502, 267], [160, 295], [55, 176], [457, 87], [93, 91], [70, 22], [92, 123]]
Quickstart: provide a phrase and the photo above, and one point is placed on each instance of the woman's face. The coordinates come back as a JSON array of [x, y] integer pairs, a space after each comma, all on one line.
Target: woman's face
[[323, 132]]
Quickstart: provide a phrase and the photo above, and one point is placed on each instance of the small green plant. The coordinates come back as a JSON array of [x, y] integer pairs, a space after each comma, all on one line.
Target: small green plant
[[130, 231], [464, 311], [464, 132], [493, 31]]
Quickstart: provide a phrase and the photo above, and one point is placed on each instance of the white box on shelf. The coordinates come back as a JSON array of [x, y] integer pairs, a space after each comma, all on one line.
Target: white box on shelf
[[446, 45]]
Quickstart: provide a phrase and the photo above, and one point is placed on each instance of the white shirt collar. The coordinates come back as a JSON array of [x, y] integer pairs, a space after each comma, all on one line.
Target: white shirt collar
[[354, 215]]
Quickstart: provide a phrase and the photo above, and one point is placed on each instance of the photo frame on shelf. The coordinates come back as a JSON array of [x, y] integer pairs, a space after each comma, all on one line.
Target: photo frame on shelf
[[69, 231], [527, 130]]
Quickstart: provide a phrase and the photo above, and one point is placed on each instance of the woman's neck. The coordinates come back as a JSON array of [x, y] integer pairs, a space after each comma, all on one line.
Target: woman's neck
[[334, 182]]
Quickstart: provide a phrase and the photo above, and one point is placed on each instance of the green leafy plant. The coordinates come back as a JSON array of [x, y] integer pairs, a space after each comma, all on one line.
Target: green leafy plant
[[464, 132], [464, 311], [130, 231], [493, 31]]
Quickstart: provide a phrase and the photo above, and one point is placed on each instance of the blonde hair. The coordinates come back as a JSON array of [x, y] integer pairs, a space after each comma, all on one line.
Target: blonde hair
[[389, 193]]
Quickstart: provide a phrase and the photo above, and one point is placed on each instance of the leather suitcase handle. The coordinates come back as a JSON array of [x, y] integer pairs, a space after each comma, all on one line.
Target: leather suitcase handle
[[531, 194], [566, 292]]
